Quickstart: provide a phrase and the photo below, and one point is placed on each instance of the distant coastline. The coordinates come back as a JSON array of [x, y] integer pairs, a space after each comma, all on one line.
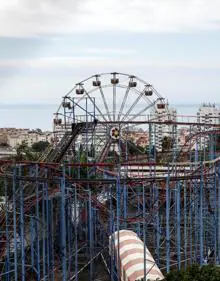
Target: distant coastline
[[39, 115]]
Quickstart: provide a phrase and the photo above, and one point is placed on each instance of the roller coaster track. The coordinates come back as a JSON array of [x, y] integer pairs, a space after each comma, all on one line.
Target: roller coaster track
[[56, 155], [206, 170], [52, 156], [193, 139]]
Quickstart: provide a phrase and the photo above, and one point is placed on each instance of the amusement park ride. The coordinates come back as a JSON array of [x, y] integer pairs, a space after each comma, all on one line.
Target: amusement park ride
[[96, 206]]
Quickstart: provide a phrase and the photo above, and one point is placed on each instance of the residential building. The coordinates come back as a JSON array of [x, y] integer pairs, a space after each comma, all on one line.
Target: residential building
[[208, 114], [159, 131], [14, 137]]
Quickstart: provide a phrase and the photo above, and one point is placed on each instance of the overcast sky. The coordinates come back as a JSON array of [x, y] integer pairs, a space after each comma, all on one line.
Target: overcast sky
[[46, 46]]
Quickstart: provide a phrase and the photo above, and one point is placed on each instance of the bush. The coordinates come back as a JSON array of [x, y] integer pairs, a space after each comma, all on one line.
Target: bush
[[40, 146], [195, 273]]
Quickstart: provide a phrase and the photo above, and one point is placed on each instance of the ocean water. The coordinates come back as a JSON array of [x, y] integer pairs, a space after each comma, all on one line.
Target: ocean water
[[27, 116], [41, 115]]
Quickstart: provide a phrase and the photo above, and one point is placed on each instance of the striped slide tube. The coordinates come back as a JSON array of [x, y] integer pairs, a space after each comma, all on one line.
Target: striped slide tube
[[128, 253]]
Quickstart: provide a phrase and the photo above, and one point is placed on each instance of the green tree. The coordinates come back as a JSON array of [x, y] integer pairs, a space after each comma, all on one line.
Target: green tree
[[167, 143], [40, 146], [24, 152], [194, 273], [134, 149]]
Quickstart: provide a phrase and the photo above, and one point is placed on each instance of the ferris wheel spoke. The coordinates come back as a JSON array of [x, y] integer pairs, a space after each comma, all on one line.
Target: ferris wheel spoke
[[141, 112], [100, 142], [114, 101], [132, 126], [105, 103], [100, 139], [123, 102], [132, 106], [92, 101]]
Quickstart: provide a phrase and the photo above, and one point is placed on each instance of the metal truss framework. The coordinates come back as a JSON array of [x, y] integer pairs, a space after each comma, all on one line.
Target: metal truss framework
[[59, 212]]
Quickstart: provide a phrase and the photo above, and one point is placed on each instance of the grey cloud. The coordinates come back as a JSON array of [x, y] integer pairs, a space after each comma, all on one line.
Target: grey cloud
[[30, 17], [37, 17]]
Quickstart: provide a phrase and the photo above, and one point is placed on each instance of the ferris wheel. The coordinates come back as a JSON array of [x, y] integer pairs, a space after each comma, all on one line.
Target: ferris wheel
[[119, 104]]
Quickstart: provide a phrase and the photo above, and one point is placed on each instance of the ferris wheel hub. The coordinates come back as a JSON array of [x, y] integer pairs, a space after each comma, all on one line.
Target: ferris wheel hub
[[115, 133]]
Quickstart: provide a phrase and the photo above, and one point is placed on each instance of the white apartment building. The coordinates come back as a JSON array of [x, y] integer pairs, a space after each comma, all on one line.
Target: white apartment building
[[161, 130], [208, 114]]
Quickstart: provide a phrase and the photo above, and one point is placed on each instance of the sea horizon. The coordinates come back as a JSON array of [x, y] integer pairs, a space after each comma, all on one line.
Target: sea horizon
[[40, 115]]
